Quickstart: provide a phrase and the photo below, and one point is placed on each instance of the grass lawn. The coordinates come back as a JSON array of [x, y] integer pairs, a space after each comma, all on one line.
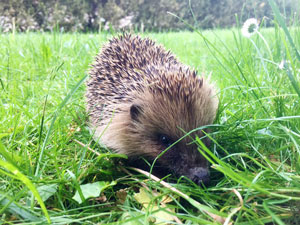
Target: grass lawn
[[255, 153]]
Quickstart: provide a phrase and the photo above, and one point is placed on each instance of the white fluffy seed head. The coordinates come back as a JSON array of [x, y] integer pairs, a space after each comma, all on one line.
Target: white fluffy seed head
[[250, 27]]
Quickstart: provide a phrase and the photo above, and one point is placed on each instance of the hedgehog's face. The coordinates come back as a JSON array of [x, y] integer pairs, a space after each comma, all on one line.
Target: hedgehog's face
[[159, 122], [181, 158]]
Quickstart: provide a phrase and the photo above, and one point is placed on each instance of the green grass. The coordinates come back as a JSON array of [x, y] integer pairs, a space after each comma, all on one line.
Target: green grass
[[255, 154]]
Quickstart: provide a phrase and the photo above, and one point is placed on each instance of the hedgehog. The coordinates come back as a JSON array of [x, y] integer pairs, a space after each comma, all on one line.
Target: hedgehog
[[141, 100]]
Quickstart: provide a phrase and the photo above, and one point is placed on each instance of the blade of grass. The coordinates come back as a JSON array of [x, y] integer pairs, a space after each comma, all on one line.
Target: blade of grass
[[288, 71], [56, 113], [284, 27], [272, 214], [293, 81]]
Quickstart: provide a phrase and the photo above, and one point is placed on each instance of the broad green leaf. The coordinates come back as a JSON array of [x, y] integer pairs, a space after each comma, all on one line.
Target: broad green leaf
[[92, 190], [16, 209], [159, 215], [46, 191]]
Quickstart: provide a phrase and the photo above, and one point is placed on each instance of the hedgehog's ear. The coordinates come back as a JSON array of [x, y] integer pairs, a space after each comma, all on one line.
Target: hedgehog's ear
[[135, 111]]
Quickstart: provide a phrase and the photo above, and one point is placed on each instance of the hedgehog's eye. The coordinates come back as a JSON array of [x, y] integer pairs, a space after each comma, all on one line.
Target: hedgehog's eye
[[165, 140]]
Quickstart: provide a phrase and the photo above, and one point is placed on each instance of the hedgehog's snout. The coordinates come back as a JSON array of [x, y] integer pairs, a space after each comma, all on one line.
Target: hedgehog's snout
[[199, 175]]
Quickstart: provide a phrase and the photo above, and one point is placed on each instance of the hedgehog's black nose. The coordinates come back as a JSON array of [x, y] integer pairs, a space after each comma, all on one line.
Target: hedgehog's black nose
[[199, 175]]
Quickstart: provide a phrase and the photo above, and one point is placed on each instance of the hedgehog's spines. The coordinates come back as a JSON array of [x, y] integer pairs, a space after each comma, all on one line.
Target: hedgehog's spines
[[138, 90]]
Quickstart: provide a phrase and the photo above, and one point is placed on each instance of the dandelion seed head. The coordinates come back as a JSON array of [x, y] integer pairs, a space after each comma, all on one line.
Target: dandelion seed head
[[250, 27]]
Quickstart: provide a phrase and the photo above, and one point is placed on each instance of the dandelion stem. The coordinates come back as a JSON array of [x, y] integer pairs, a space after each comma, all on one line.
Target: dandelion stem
[[266, 44], [261, 57]]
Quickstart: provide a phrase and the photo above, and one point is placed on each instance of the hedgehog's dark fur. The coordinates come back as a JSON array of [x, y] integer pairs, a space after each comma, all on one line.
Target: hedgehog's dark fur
[[140, 98]]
